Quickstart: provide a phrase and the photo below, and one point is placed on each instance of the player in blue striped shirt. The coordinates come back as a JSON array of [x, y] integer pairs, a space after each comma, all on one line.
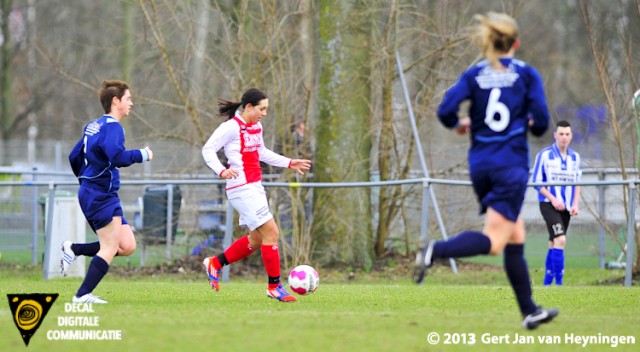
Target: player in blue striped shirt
[[95, 160], [507, 100], [557, 163]]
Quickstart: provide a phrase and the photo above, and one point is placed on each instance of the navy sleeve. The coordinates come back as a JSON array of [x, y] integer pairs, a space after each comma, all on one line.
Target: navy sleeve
[[537, 105], [76, 158], [114, 147], [448, 109]]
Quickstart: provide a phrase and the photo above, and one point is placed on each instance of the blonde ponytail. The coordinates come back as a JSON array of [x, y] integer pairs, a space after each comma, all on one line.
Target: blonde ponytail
[[495, 35]]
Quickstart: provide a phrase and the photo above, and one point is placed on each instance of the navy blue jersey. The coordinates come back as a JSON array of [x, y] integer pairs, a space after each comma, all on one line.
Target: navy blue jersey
[[501, 104], [96, 157]]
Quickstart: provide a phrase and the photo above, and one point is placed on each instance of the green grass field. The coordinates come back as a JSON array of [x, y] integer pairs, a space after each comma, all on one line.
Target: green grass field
[[171, 313]]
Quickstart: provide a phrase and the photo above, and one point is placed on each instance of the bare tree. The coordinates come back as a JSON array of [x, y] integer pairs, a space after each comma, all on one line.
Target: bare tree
[[22, 92], [430, 45], [614, 63]]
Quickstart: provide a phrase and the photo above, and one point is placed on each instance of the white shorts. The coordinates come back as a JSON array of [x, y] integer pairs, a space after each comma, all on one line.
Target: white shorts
[[250, 201]]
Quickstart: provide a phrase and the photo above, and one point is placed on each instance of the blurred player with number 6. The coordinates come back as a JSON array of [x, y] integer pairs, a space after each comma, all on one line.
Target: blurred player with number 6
[[507, 100]]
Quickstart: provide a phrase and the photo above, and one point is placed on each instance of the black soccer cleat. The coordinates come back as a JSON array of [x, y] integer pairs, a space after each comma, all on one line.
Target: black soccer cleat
[[423, 262], [540, 316]]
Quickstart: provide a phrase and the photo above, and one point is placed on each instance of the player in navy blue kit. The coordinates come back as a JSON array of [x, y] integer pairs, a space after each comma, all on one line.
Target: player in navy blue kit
[[507, 100], [95, 160]]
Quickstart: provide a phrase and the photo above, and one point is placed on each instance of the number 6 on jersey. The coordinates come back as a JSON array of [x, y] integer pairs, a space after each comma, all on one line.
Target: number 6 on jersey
[[494, 106]]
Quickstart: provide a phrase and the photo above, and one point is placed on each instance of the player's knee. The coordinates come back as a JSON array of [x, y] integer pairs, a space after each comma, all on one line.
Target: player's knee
[[127, 249], [107, 252], [271, 237], [560, 241], [269, 232], [496, 248]]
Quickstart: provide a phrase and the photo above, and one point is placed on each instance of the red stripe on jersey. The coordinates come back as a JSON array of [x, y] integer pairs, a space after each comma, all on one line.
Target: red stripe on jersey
[[250, 143]]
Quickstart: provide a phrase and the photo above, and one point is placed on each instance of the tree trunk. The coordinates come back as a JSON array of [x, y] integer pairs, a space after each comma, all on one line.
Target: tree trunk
[[386, 204], [342, 216], [127, 58], [6, 93], [301, 231]]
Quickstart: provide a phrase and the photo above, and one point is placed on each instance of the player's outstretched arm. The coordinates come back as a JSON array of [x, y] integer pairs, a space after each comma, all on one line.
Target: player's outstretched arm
[[300, 165]]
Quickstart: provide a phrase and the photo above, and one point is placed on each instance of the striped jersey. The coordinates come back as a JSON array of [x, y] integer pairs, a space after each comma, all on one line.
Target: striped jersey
[[244, 148], [96, 157], [551, 166], [501, 104]]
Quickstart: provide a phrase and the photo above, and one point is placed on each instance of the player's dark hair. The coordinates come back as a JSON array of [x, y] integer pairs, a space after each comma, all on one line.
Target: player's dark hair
[[228, 108], [563, 123], [111, 89], [503, 44]]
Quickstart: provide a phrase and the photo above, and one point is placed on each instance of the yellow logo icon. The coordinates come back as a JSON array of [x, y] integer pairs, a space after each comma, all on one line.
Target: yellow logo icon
[[29, 310]]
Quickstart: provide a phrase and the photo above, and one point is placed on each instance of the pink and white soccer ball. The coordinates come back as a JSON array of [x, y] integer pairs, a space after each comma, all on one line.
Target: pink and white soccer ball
[[303, 279]]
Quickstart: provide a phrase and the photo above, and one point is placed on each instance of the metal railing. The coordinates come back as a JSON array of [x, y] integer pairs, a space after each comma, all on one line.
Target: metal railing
[[426, 183]]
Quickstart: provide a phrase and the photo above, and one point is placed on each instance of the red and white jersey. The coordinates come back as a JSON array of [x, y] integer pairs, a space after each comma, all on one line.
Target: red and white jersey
[[244, 148]]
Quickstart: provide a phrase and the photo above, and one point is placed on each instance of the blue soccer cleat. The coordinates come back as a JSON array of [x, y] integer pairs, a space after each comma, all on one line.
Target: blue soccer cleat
[[213, 273], [280, 294]]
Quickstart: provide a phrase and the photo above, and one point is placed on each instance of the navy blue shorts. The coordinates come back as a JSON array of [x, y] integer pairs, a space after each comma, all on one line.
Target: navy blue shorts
[[501, 189], [99, 207]]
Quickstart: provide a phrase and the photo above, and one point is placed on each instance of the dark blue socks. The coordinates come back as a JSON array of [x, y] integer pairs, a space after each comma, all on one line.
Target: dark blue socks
[[470, 243], [466, 244], [516, 267], [86, 249], [548, 268], [97, 270], [554, 266], [557, 257]]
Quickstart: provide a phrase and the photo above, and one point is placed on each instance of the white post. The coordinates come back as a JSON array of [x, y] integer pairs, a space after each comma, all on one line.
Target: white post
[[65, 221], [228, 234], [633, 192], [34, 218], [169, 221]]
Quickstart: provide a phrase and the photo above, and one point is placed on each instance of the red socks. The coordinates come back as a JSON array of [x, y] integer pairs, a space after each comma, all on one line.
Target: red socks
[[271, 259], [239, 249]]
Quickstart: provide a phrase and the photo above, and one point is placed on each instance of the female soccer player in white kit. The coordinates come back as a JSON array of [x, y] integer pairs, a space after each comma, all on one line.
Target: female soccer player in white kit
[[241, 138]]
